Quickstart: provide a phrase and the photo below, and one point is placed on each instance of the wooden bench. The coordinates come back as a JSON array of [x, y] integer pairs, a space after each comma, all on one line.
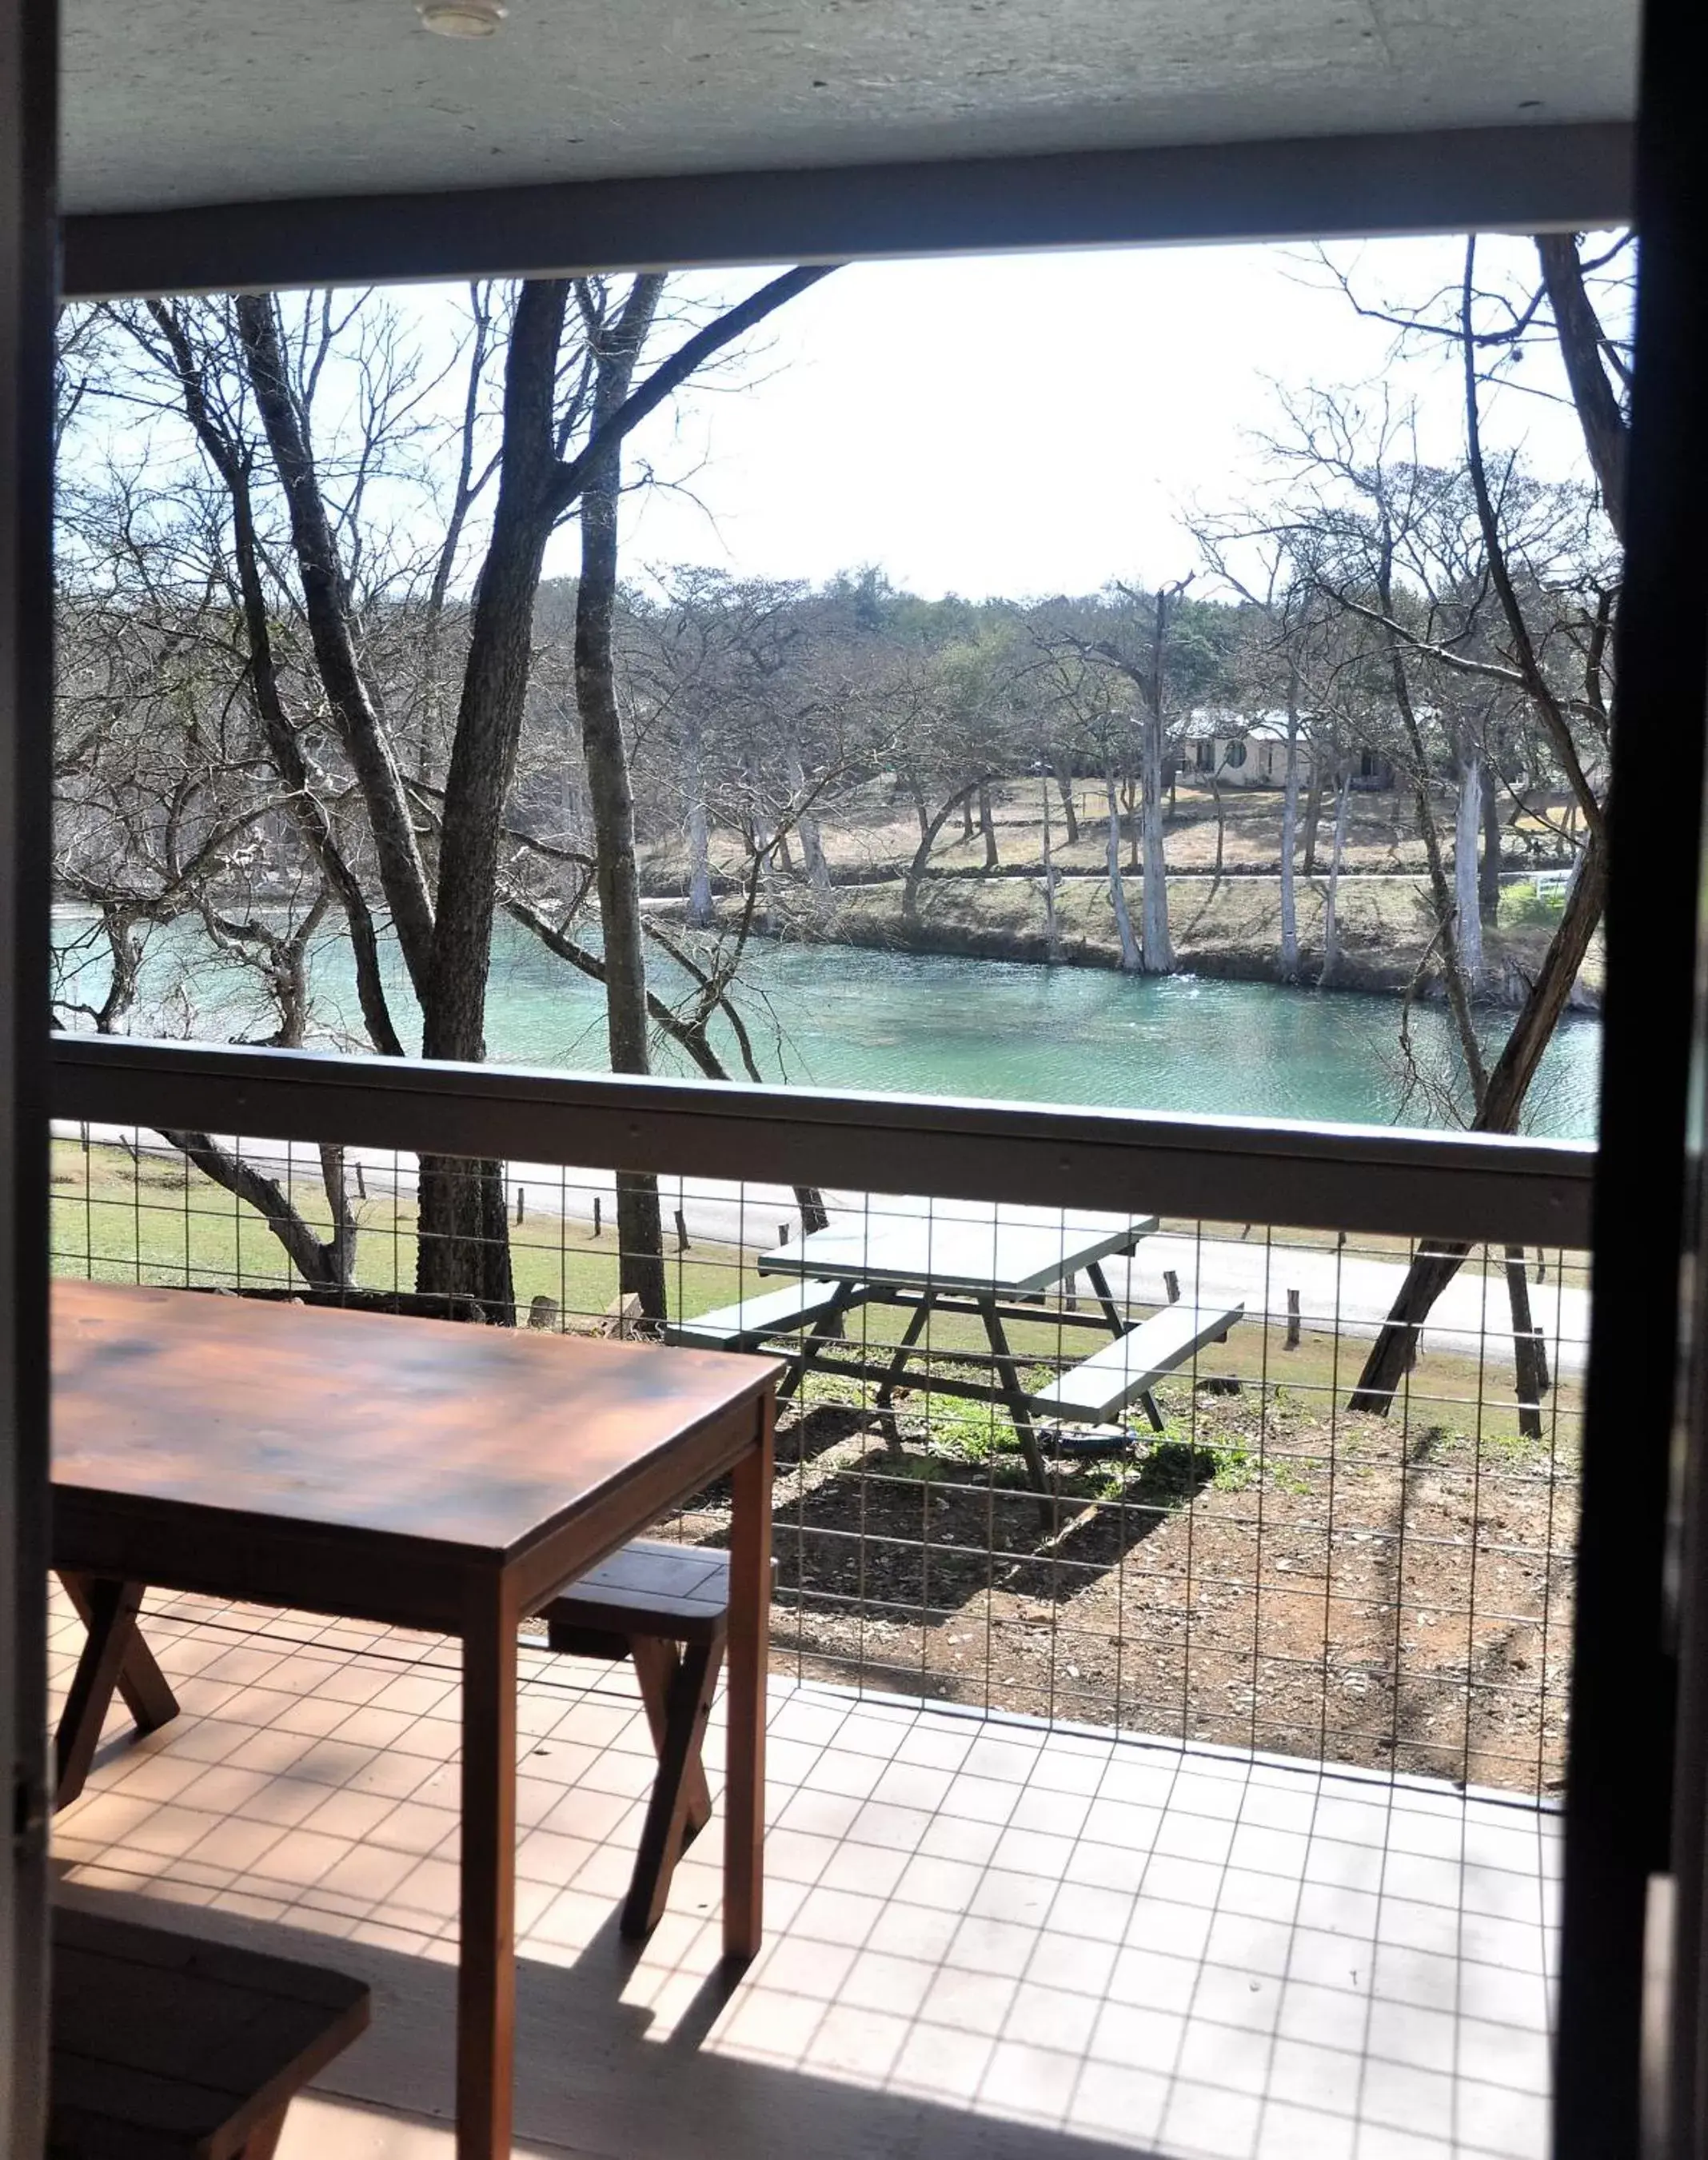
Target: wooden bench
[[746, 1326], [667, 1608], [164, 2045], [775, 1312], [1101, 1386]]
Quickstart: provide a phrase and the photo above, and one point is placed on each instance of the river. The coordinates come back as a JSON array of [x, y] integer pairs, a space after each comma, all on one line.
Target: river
[[836, 1016]]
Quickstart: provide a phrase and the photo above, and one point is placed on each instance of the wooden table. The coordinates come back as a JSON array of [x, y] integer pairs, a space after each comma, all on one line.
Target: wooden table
[[417, 1473], [973, 1258]]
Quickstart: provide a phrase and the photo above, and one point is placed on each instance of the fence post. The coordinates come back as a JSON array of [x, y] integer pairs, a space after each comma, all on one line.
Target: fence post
[[681, 1232], [1292, 1320], [1171, 1284], [521, 1202], [596, 1215]]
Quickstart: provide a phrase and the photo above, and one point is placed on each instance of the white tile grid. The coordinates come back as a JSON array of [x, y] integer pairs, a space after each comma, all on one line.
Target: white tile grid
[[1181, 1953]]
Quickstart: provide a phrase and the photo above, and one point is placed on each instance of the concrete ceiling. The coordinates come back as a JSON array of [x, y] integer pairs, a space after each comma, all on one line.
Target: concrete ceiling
[[171, 103]]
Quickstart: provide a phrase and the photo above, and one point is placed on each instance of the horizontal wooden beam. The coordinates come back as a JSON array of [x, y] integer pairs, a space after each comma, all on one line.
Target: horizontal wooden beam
[[1519, 178], [1242, 1169]]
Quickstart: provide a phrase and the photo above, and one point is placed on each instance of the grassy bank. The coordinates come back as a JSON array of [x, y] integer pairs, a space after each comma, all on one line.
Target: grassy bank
[[1229, 927], [1228, 924]]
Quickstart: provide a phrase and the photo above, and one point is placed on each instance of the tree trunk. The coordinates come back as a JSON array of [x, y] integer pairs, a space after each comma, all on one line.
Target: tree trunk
[[1331, 912], [1049, 954], [1290, 838], [1429, 1274], [464, 1240], [1064, 788], [640, 1233], [1581, 345], [700, 910], [1313, 809], [1488, 871], [987, 825], [922, 854], [1467, 907], [1132, 960], [806, 824], [325, 1264], [332, 636], [1221, 830], [1446, 928], [921, 808], [1158, 948]]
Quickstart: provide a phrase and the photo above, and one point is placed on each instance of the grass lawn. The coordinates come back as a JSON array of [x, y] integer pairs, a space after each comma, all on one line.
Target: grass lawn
[[155, 1220]]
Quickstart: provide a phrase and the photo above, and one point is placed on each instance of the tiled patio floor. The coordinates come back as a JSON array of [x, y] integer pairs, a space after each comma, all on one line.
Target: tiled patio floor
[[984, 1937]]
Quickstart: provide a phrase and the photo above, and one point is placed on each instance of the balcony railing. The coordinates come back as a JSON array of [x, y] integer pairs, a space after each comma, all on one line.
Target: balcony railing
[[1270, 1570]]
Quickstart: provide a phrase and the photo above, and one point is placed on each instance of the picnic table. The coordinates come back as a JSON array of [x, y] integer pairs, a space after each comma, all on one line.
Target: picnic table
[[990, 1261], [419, 1474]]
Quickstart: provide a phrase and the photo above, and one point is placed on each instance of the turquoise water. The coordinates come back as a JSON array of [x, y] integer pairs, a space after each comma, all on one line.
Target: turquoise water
[[839, 1017]]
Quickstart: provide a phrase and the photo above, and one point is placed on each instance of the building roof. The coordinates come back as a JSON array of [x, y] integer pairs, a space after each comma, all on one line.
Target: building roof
[[1209, 724]]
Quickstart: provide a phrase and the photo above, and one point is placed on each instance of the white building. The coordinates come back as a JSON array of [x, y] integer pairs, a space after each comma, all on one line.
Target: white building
[[1242, 751]]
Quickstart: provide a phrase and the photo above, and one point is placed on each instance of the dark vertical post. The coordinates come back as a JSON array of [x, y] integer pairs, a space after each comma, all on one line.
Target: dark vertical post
[[486, 1943], [29, 68], [1620, 1769], [748, 1663]]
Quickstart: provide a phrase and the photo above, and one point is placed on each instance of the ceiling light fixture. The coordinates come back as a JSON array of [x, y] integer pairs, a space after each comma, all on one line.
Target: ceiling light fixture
[[461, 18]]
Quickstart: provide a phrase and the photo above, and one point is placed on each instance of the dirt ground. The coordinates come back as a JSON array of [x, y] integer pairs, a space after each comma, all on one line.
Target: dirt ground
[[1273, 1572], [872, 829]]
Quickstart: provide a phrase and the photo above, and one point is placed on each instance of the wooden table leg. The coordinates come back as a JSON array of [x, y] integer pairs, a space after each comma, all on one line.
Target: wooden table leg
[[486, 1952], [657, 1666], [109, 1612], [1105, 1297], [692, 1683], [824, 1329], [1008, 1379], [749, 1661], [142, 1687], [897, 1365]]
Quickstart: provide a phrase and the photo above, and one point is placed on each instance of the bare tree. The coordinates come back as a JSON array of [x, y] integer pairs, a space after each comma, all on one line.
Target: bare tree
[[1597, 377], [246, 374]]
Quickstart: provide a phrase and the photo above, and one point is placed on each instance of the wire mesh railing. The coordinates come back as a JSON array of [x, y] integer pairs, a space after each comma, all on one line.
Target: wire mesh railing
[[1102, 1468]]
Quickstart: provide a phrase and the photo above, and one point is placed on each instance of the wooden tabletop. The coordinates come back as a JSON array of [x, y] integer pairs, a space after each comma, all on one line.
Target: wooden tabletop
[[997, 1252], [441, 1433]]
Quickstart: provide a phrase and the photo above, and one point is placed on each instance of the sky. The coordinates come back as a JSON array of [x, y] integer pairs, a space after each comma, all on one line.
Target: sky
[[1026, 425], [1011, 426]]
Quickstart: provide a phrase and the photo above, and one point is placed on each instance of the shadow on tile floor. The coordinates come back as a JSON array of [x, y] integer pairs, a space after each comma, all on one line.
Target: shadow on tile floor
[[590, 2081]]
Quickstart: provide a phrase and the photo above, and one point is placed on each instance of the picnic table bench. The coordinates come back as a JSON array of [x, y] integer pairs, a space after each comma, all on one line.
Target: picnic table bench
[[1126, 1369], [773, 1312]]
